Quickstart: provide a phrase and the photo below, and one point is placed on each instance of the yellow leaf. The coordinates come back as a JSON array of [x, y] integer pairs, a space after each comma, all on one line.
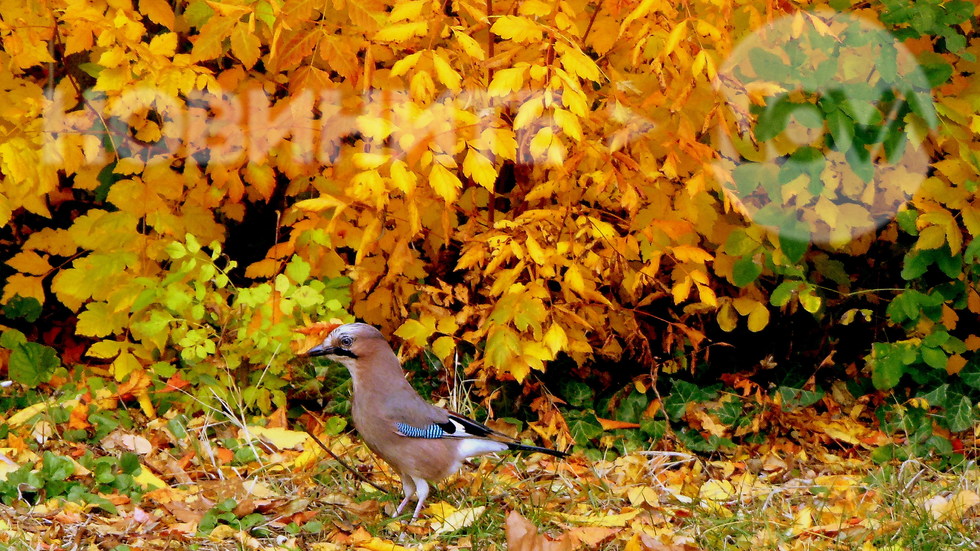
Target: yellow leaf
[[444, 183], [519, 29], [112, 57], [577, 63], [422, 87], [528, 113], [480, 169], [541, 142], [555, 338], [320, 204], [643, 495], [727, 320], [164, 44], [758, 318], [639, 11], [29, 262], [378, 544], [245, 45], [25, 414], [416, 332], [281, 438], [534, 250], [158, 11], [503, 348], [124, 364], [105, 350], [210, 39], [227, 9], [574, 280], [717, 490], [368, 240], [401, 32], [620, 519], [369, 161], [507, 81], [148, 480], [568, 123], [681, 290], [446, 74], [535, 8], [443, 347], [705, 293], [931, 237], [404, 64], [689, 253], [676, 35], [470, 45], [952, 508], [407, 11], [403, 178], [457, 520]]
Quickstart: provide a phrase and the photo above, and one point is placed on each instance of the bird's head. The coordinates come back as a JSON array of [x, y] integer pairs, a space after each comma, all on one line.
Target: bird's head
[[349, 343]]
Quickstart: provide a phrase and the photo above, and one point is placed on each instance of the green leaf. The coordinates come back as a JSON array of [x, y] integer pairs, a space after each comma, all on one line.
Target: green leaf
[[655, 429], [55, 467], [938, 73], [129, 463], [934, 357], [32, 364], [970, 374], [298, 270], [841, 130], [584, 427], [792, 246], [794, 398], [959, 414], [632, 407], [915, 265], [28, 309], [767, 65], [772, 121], [577, 393], [11, 338], [783, 292], [884, 454], [886, 369], [745, 271]]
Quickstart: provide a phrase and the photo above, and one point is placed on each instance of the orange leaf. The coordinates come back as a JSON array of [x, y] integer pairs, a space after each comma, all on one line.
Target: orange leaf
[[612, 424]]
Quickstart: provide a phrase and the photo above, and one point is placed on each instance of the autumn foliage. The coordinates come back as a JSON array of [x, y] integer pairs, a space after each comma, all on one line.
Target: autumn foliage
[[569, 183]]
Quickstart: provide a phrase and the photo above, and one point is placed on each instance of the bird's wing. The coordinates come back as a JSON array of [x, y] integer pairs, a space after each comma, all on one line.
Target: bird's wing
[[455, 426]]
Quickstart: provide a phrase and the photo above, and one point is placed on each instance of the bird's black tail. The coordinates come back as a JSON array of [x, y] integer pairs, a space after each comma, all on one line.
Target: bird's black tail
[[521, 447]]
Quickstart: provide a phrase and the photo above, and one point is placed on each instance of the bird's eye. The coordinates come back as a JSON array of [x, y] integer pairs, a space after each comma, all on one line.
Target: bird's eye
[[346, 341]]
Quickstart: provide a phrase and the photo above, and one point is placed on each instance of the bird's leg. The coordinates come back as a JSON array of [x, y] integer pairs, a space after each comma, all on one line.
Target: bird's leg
[[409, 487], [421, 492]]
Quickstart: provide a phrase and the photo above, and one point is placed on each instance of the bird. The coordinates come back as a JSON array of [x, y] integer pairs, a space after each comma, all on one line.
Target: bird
[[423, 443]]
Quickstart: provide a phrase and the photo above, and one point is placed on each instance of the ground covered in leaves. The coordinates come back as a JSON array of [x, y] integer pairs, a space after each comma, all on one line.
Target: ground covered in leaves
[[215, 482]]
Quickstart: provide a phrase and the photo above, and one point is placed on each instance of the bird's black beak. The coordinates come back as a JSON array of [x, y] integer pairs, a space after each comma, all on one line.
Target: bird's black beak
[[321, 350]]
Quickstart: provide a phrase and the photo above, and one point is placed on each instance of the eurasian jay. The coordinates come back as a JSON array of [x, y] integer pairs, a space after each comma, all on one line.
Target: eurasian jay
[[422, 442]]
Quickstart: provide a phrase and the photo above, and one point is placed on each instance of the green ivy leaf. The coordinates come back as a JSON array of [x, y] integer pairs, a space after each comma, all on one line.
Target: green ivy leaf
[[970, 375], [584, 427], [577, 393], [959, 414]]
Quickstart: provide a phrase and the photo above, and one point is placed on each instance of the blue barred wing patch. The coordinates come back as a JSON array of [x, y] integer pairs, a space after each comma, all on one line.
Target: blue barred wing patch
[[430, 431]]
